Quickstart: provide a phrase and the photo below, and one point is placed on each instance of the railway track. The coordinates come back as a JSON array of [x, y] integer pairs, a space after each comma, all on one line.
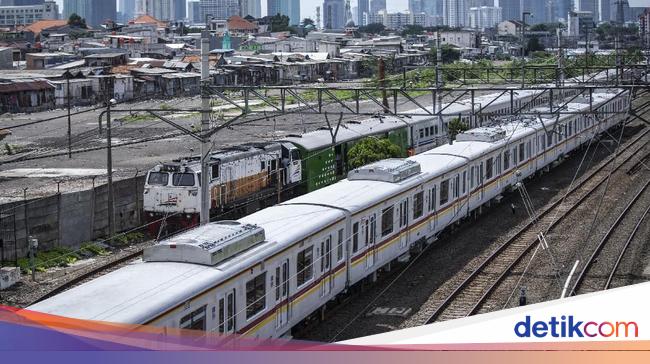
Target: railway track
[[470, 295], [592, 276]]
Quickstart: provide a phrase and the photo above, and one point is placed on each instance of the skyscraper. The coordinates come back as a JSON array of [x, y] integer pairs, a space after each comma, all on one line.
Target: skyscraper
[[377, 5], [510, 9], [219, 9], [194, 11], [588, 5], [363, 8], [252, 8], [290, 8], [454, 13], [95, 12], [127, 9], [537, 9], [416, 6], [180, 9], [333, 14]]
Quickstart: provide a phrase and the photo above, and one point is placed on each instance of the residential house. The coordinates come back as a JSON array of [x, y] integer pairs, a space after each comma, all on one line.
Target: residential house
[[26, 95], [106, 59], [37, 61]]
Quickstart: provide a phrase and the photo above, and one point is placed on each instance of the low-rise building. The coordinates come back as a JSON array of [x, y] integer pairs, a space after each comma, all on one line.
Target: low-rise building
[[25, 96], [510, 27], [398, 20], [14, 15], [37, 61]]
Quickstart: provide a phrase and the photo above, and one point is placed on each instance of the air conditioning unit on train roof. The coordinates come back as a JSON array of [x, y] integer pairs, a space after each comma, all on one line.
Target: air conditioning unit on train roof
[[387, 170], [209, 244], [488, 135]]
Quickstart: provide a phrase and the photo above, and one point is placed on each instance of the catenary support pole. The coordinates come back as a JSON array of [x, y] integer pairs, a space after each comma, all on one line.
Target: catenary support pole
[[205, 126]]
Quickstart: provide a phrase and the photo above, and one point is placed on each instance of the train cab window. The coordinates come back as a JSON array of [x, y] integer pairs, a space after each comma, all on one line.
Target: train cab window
[[387, 217], [194, 320], [339, 246], [183, 179], [304, 266], [444, 192], [263, 166], [506, 160], [158, 178], [522, 154], [418, 205], [489, 168], [255, 295], [215, 171], [355, 237]]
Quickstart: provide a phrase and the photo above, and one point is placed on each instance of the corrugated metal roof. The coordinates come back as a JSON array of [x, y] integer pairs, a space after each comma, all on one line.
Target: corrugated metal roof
[[37, 85]]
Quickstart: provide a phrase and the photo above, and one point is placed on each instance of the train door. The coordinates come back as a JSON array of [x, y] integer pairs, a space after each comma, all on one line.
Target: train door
[[370, 234], [326, 266], [227, 312], [282, 294], [292, 163], [403, 223]]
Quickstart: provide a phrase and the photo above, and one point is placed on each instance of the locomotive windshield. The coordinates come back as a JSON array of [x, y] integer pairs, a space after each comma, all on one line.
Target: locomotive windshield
[[183, 179], [158, 178]]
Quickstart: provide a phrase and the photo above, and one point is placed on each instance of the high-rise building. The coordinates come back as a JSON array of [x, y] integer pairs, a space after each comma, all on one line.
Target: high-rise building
[[454, 13], [180, 9], [333, 14], [537, 10], [219, 9], [290, 8], [484, 17], [363, 10], [194, 11], [416, 6], [95, 12], [510, 9], [21, 2], [588, 5], [377, 6], [11, 15], [127, 9], [252, 8]]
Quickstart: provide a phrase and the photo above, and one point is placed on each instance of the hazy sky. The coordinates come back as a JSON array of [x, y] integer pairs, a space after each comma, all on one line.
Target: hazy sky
[[308, 7]]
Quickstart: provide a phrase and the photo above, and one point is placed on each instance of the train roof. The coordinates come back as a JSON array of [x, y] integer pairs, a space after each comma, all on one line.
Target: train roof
[[322, 138]]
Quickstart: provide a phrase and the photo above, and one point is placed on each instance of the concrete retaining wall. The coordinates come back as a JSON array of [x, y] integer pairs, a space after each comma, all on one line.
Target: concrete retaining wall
[[69, 219]]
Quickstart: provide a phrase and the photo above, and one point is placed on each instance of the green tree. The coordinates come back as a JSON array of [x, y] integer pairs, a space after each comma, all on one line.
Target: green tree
[[279, 23], [77, 21], [373, 28], [412, 30], [456, 127], [370, 150], [534, 45], [307, 21], [449, 53]]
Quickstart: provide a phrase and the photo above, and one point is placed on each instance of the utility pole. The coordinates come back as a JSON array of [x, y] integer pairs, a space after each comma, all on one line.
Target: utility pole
[[438, 109], [205, 126], [523, 48], [69, 122], [382, 83], [109, 171]]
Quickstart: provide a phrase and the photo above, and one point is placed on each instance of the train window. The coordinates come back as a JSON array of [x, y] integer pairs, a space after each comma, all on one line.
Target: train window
[[426, 131], [215, 171], [255, 295], [194, 320], [431, 131], [355, 237], [542, 142], [522, 154], [506, 160], [489, 168], [222, 315], [435, 129], [373, 229], [421, 133], [263, 166], [497, 162], [471, 177], [456, 186], [339, 246], [514, 156], [326, 254], [529, 148], [418, 205], [183, 179], [158, 178], [387, 216], [549, 138], [304, 266], [432, 199], [464, 181], [444, 192], [231, 310], [277, 283]]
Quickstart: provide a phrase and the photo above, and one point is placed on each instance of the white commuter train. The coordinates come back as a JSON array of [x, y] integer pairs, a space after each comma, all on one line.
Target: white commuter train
[[261, 275]]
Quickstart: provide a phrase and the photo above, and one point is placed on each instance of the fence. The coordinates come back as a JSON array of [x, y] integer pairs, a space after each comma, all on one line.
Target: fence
[[68, 219]]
